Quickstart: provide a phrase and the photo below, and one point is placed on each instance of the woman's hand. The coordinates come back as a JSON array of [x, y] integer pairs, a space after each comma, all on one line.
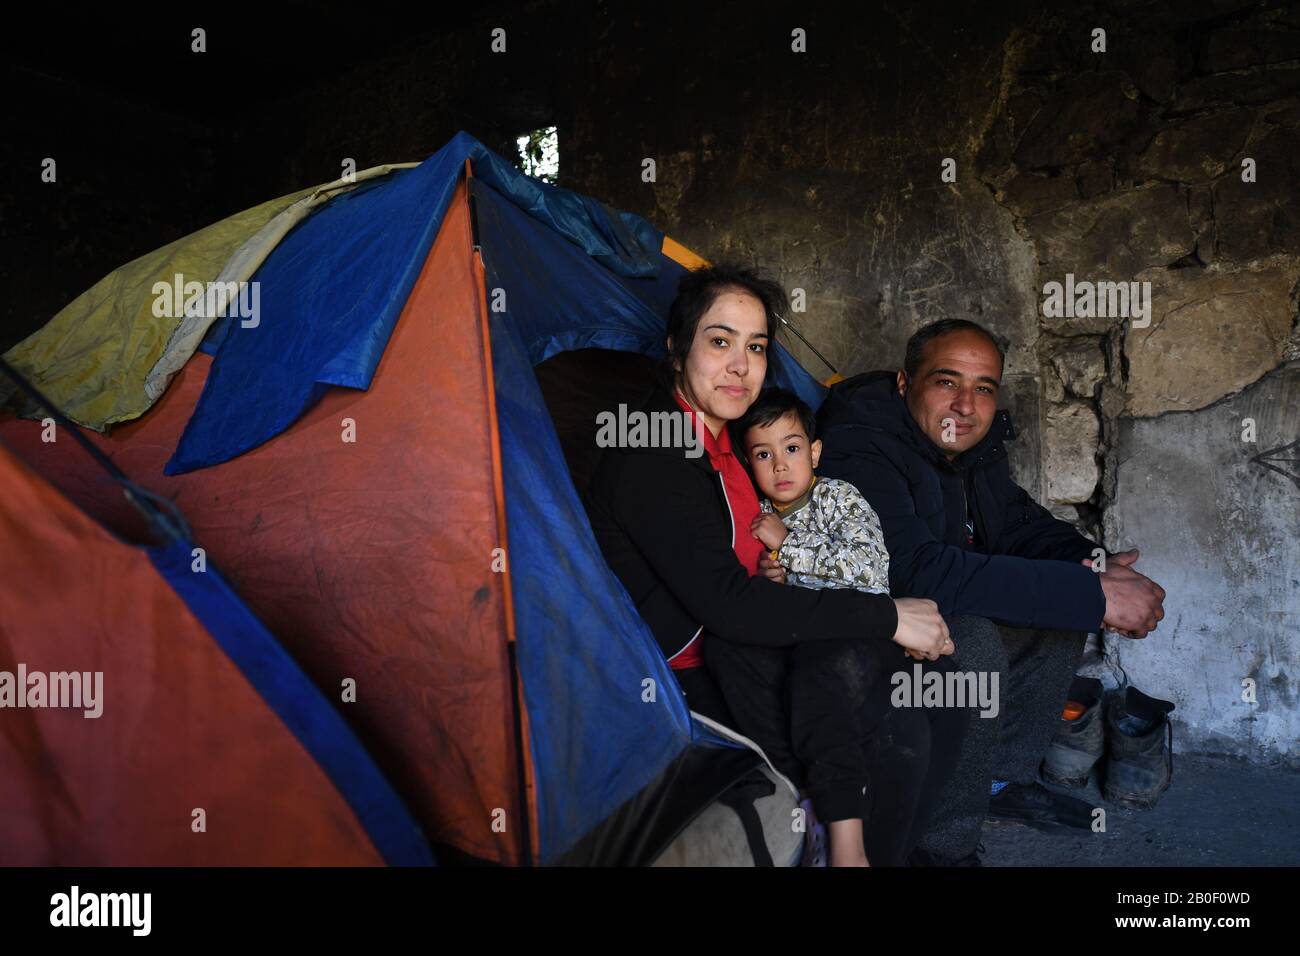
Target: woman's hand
[[769, 529], [921, 629]]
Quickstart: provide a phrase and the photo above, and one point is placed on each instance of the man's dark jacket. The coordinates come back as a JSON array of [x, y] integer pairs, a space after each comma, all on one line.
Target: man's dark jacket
[[663, 524], [1024, 568]]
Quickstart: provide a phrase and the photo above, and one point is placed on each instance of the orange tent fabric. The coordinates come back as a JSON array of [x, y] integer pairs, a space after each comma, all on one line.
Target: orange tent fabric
[[175, 715]]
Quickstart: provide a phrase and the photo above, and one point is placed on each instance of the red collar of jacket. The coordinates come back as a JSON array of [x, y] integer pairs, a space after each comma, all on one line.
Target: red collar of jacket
[[742, 499]]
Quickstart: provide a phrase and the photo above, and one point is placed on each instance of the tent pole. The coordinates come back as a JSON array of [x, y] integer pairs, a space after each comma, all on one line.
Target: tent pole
[[161, 513], [786, 322], [516, 691]]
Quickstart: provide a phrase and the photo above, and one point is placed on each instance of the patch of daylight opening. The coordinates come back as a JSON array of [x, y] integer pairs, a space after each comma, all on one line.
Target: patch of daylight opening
[[539, 153]]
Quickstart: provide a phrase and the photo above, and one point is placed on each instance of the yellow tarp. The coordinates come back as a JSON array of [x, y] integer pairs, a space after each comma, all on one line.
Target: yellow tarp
[[92, 358], [106, 357]]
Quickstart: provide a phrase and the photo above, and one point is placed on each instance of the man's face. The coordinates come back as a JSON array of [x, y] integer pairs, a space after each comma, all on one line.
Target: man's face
[[782, 458], [955, 391]]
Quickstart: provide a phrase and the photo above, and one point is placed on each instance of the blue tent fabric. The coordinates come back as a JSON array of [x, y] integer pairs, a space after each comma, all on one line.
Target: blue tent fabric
[[331, 293], [297, 702], [332, 290], [583, 651], [219, 329], [563, 300]]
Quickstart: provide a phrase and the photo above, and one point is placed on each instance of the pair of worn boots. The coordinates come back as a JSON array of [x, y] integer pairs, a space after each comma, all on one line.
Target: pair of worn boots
[[1129, 728]]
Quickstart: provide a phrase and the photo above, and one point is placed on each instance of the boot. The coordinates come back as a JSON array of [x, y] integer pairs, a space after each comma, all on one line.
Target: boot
[[1079, 743], [1140, 749]]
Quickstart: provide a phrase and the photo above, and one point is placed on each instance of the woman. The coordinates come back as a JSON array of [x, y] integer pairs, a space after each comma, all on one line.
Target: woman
[[673, 525]]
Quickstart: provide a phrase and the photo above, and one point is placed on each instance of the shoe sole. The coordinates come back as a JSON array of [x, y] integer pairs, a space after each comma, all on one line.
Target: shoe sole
[[1074, 783], [1047, 825], [1136, 803]]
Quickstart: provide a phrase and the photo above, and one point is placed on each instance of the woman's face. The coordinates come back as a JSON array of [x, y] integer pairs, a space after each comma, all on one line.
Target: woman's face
[[727, 363]]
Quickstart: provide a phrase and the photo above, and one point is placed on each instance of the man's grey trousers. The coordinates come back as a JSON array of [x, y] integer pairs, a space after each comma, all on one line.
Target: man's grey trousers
[[1034, 670]]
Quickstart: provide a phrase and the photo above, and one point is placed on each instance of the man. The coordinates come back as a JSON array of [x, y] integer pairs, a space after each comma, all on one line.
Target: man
[[1020, 589]]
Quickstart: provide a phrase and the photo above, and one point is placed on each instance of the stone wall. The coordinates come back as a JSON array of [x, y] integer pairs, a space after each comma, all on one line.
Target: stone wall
[[1135, 165], [1221, 532]]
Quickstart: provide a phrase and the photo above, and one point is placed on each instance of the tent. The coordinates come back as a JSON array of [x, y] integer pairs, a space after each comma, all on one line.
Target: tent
[[370, 459], [133, 695]]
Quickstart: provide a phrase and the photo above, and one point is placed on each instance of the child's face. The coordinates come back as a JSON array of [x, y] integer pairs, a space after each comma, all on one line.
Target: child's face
[[782, 458]]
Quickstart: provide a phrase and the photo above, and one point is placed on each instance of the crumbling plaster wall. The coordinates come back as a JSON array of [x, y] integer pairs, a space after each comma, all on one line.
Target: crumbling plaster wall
[[1133, 165]]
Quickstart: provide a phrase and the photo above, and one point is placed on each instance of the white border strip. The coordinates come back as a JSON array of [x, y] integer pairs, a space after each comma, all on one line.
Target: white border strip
[[723, 731]]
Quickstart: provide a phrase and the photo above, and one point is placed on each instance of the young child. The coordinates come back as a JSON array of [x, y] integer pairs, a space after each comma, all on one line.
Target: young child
[[822, 531], [825, 534]]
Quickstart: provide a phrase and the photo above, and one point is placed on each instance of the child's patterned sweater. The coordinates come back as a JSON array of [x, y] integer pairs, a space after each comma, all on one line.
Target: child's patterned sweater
[[834, 540]]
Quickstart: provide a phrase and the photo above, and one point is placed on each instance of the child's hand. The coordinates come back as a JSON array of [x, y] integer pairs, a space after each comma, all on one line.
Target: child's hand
[[768, 529], [770, 569]]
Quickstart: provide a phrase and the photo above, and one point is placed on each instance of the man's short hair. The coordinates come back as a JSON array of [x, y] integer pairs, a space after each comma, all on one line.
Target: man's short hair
[[917, 343], [770, 406]]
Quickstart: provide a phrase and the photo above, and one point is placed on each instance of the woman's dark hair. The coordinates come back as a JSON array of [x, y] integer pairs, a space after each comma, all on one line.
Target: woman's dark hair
[[771, 405], [924, 336], [697, 292]]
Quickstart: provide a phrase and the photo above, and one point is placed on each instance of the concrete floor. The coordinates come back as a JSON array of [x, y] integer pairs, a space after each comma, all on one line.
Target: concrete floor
[[1216, 813]]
